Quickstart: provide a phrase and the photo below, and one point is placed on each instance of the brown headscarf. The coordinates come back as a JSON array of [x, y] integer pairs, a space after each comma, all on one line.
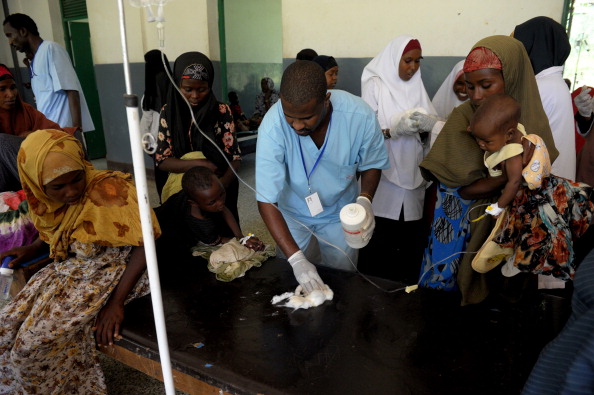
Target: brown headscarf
[[107, 213], [456, 159]]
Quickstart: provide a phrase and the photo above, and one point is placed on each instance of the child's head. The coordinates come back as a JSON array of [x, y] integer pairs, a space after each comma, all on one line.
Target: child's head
[[495, 122], [233, 98], [204, 189]]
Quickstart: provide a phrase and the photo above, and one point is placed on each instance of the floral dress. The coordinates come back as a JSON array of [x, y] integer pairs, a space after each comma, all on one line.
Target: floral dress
[[260, 107], [224, 132], [547, 215], [543, 223], [47, 345]]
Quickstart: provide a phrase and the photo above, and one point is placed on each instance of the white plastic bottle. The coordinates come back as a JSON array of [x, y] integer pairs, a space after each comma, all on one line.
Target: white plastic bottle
[[353, 217], [6, 275]]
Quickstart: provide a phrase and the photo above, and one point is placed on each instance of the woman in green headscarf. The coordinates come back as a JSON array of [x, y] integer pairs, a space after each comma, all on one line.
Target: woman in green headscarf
[[496, 64]]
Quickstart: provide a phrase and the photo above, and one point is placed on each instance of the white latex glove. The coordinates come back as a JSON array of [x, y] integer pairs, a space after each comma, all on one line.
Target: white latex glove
[[494, 209], [583, 102], [424, 122], [369, 226], [402, 126], [305, 273]]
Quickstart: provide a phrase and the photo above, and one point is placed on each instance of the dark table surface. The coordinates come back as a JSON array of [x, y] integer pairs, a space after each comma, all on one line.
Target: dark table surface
[[365, 341]]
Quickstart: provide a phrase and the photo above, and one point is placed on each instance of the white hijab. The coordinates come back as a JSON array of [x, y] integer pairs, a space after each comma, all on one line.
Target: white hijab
[[395, 96], [445, 99]]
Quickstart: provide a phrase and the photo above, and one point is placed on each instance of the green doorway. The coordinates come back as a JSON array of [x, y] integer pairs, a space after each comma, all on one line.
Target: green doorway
[[77, 38], [82, 58]]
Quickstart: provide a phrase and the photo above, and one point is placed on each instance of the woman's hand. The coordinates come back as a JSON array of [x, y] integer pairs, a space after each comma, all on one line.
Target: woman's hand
[[107, 323], [23, 254], [584, 103], [109, 319], [401, 126], [424, 122], [207, 163]]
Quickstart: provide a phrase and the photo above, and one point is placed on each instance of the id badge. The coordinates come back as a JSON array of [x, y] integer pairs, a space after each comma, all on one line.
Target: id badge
[[314, 204]]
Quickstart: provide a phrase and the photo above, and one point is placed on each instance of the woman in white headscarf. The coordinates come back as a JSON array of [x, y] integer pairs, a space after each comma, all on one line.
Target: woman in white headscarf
[[391, 84], [451, 93]]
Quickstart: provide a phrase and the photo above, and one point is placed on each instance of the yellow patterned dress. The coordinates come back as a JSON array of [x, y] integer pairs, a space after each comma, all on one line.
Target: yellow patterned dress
[[47, 345], [46, 342]]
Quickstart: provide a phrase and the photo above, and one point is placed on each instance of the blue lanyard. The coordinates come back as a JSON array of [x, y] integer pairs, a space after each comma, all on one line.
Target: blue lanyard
[[317, 160]]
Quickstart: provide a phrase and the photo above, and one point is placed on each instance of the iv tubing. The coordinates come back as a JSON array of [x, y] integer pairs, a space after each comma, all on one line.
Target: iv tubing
[[145, 213]]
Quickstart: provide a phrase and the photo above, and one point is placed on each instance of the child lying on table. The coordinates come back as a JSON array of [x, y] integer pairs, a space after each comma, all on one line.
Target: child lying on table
[[197, 219], [198, 213], [540, 214]]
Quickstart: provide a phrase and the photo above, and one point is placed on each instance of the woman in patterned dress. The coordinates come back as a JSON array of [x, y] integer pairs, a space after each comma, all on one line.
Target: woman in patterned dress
[[264, 100], [90, 220], [180, 146]]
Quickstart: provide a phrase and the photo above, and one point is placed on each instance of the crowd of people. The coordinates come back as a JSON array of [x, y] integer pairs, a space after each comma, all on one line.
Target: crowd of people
[[461, 193]]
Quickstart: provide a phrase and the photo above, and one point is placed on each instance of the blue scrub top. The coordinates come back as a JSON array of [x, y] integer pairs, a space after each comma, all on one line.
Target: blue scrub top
[[354, 142]]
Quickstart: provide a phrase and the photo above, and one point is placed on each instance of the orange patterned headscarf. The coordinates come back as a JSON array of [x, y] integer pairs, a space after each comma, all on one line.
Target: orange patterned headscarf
[[107, 213], [481, 58]]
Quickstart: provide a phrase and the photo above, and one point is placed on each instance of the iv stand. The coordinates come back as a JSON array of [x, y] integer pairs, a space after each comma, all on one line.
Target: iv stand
[[132, 113]]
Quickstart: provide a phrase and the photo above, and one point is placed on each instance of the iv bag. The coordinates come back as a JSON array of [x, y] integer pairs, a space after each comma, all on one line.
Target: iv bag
[[146, 4]]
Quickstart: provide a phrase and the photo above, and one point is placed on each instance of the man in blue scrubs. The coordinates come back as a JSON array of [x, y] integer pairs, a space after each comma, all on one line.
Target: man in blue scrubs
[[311, 144]]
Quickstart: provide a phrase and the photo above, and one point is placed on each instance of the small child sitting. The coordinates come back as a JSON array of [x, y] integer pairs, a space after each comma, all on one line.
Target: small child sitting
[[508, 149], [198, 213], [543, 214], [241, 121]]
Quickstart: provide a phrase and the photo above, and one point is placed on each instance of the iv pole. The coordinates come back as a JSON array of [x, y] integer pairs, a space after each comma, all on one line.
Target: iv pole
[[132, 113]]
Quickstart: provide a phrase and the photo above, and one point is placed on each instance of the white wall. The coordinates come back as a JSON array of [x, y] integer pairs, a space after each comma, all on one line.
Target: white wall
[[356, 29], [253, 31], [342, 28], [186, 29]]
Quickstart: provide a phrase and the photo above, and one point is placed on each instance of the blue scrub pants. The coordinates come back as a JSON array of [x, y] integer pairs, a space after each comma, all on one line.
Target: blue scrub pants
[[324, 254]]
